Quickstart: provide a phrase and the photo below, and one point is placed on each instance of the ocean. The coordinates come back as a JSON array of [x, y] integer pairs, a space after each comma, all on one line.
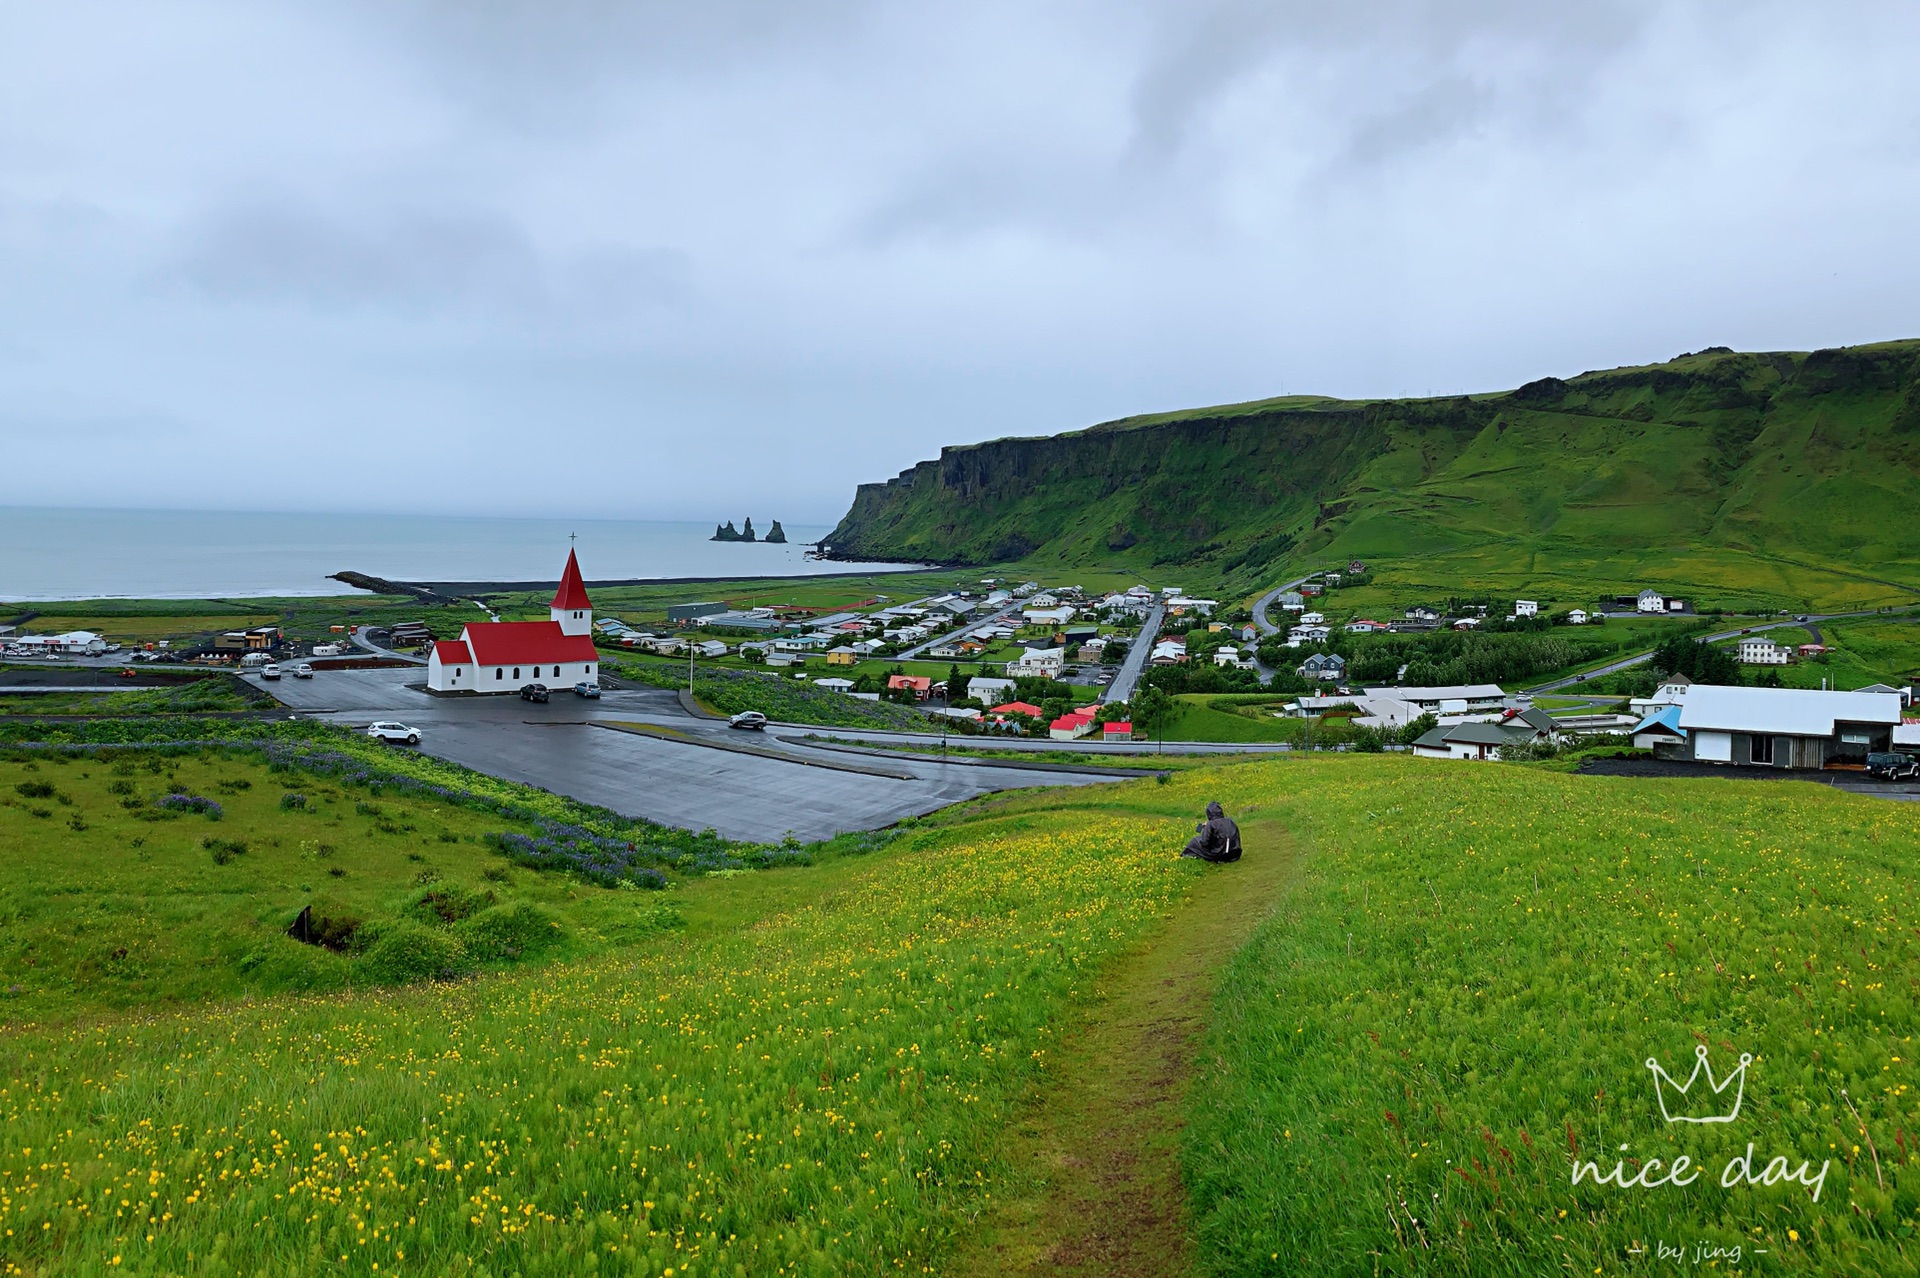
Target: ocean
[[49, 554]]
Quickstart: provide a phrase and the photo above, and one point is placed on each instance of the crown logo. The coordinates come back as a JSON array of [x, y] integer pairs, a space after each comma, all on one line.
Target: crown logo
[[1686, 1108]]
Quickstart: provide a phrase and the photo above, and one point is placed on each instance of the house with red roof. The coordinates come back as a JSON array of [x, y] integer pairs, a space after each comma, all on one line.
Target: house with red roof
[[1118, 730], [1018, 707], [502, 656], [922, 685], [1074, 725]]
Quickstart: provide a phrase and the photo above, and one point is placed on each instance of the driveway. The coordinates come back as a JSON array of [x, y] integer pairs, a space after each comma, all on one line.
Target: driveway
[[758, 797]]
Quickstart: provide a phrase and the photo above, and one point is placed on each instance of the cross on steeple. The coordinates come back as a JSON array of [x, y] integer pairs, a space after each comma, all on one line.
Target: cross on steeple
[[570, 538]]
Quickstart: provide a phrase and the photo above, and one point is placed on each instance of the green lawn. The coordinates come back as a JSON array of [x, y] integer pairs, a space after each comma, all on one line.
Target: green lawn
[[1452, 1008]]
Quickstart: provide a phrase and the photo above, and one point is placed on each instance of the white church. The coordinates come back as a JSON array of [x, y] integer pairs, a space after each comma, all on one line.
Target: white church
[[501, 656]]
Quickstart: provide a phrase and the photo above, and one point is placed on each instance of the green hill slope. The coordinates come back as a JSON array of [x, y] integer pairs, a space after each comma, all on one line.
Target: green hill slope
[[1778, 474]]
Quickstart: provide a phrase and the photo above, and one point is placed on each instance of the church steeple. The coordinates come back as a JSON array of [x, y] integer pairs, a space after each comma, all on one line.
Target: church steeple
[[571, 607]]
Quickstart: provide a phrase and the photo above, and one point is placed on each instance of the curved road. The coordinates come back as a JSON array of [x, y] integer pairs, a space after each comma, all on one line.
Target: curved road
[[1266, 601], [1809, 625]]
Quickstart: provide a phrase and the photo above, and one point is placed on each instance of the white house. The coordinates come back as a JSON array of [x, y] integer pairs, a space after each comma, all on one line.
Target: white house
[[1456, 699], [1228, 655], [1785, 727], [499, 656], [1758, 650], [1670, 693], [1312, 618], [1039, 661], [1526, 607], [1577, 617], [710, 649], [989, 691], [1059, 616], [834, 684], [1292, 600]]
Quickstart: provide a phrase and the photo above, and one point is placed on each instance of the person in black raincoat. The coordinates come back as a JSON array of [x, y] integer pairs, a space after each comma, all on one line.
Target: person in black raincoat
[[1216, 839]]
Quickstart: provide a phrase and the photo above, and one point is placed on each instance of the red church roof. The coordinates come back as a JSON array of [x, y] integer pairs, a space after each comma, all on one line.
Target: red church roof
[[506, 643], [452, 653], [572, 594]]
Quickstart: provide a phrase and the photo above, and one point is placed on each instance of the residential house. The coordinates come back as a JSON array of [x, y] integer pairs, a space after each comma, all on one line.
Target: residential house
[[1653, 601], [1329, 667], [1045, 599], [866, 647], [1039, 661], [1292, 601], [834, 684], [1356, 566], [1661, 732], [1118, 730], [1807, 650], [1168, 652], [1577, 617], [1467, 623], [987, 690], [1758, 650], [711, 649], [1073, 725], [1249, 633], [1526, 607], [1671, 692], [1299, 635], [1331, 578], [258, 639], [1058, 616], [1420, 612], [1312, 618], [1451, 699], [1478, 740], [1228, 655], [1026, 708], [1180, 605], [921, 685], [802, 643], [844, 655], [1786, 727], [1364, 626]]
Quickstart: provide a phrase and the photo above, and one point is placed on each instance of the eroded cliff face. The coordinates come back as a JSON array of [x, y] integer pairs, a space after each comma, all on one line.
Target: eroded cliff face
[[1161, 492], [1741, 447]]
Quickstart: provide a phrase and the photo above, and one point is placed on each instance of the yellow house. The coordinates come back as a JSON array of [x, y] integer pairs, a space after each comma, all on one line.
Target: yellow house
[[842, 657]]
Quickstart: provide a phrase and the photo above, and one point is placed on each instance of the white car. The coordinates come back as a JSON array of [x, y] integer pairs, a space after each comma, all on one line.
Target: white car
[[398, 732], [269, 671], [303, 671], [752, 720]]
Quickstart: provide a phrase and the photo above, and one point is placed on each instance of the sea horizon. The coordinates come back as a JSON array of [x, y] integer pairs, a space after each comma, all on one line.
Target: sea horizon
[[62, 554]]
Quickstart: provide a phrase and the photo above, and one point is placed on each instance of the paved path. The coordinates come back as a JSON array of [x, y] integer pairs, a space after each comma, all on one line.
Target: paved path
[[362, 638], [683, 783], [1121, 689], [1266, 601], [959, 633], [1807, 623]]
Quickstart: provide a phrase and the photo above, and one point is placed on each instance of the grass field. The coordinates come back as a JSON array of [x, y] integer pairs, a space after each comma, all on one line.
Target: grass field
[[202, 696], [814, 1086], [1861, 652], [1456, 1000], [1452, 999]]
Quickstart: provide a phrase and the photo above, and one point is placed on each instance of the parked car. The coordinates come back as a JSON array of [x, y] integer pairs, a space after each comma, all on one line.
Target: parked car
[[303, 671], [534, 692], [750, 719], [394, 732], [587, 689], [1892, 766], [270, 671]]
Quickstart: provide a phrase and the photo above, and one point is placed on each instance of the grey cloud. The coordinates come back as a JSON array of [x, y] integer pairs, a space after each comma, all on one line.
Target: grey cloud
[[419, 261]]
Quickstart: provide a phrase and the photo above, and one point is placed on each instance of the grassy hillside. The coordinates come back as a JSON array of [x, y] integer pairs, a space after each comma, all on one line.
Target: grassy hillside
[[822, 1069], [1781, 475]]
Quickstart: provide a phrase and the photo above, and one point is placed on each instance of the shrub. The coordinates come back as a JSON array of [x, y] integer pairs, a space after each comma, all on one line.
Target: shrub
[[291, 802], [400, 952], [513, 931], [34, 790], [447, 904], [179, 802], [224, 850]]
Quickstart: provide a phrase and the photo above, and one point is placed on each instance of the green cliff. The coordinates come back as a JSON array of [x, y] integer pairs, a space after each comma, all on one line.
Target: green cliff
[[1810, 458]]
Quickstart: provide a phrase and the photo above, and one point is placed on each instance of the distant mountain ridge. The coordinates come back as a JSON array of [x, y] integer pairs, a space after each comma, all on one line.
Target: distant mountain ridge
[[1812, 454]]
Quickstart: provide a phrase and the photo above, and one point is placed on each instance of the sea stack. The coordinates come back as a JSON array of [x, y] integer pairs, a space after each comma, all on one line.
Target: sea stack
[[746, 534], [776, 535]]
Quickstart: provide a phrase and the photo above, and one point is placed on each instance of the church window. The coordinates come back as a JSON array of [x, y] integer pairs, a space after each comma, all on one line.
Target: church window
[[516, 672]]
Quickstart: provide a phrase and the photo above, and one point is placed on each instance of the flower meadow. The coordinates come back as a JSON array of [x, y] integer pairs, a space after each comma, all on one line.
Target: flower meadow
[[1455, 1006], [818, 1092]]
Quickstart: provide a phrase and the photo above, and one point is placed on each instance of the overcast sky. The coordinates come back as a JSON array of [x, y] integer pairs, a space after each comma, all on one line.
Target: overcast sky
[[687, 260]]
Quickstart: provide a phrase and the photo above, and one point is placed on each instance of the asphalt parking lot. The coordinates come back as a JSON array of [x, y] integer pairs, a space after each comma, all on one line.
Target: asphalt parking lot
[[558, 748]]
